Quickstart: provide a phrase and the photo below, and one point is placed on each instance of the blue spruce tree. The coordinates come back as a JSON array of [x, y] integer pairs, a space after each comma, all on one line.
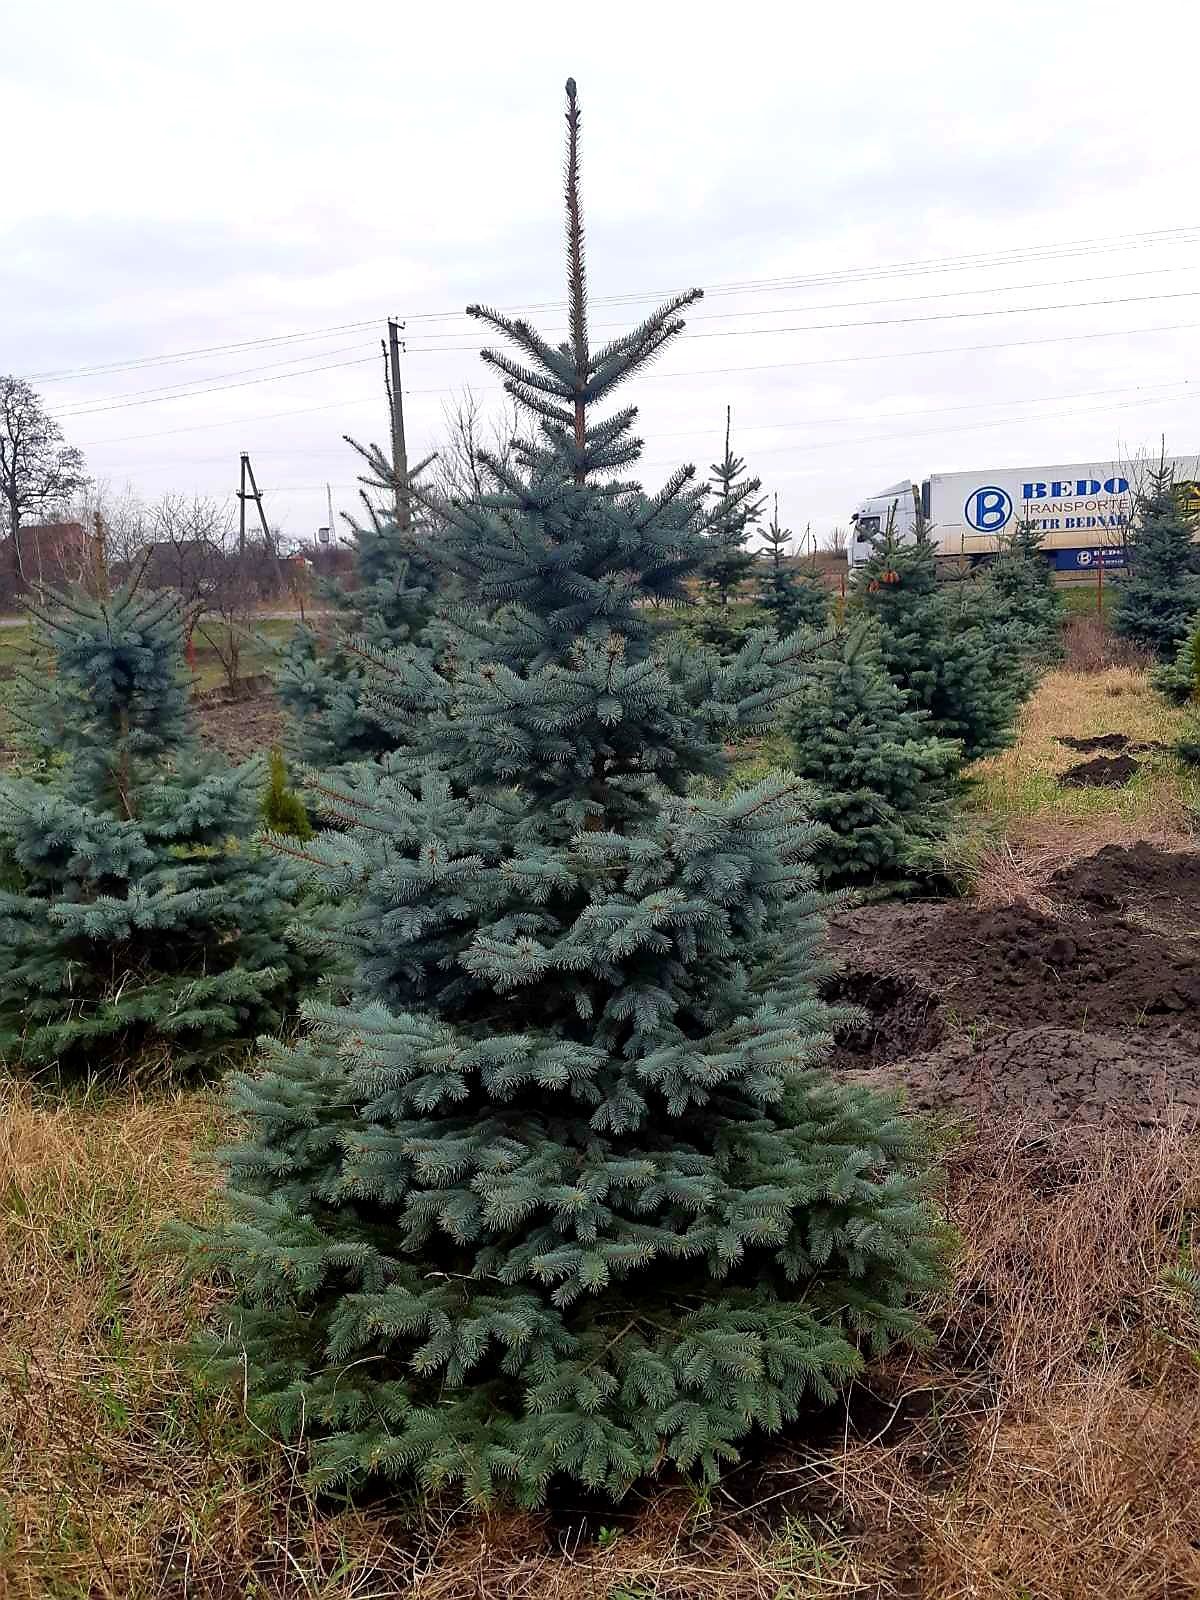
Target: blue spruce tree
[[791, 599], [734, 509], [389, 603], [562, 1192], [140, 926], [882, 783], [951, 646], [1159, 593], [1021, 582]]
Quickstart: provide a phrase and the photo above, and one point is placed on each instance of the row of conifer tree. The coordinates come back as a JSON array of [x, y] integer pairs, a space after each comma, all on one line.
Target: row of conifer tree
[[542, 1173]]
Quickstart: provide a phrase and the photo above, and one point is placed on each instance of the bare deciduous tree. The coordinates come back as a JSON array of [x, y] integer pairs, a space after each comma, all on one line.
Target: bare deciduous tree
[[470, 435], [39, 471]]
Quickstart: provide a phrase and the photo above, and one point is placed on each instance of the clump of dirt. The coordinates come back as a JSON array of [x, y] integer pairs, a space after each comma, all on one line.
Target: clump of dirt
[[902, 1016], [1010, 965], [1135, 878], [1098, 741], [1102, 772]]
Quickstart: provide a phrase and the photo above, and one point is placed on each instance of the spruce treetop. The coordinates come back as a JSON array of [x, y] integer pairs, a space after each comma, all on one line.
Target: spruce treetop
[[118, 696], [566, 691]]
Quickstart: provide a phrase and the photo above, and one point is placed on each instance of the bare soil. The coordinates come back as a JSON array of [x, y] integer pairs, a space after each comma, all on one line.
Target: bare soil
[[1101, 772], [240, 727], [1086, 1013]]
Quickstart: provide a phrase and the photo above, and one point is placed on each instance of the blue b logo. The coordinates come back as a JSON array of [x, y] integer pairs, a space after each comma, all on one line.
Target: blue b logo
[[988, 509]]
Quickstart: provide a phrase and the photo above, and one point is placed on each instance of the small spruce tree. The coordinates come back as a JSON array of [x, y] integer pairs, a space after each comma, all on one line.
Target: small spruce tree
[[1178, 680], [882, 783], [562, 1191], [791, 599], [389, 602], [141, 925], [1159, 592], [734, 511], [948, 645], [1023, 586]]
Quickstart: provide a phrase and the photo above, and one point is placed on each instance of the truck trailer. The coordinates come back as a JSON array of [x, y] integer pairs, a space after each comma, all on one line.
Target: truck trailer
[[1083, 511]]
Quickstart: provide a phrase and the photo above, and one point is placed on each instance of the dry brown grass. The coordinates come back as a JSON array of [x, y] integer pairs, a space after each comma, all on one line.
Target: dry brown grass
[[1046, 1446], [1019, 790], [1078, 1454], [1091, 646]]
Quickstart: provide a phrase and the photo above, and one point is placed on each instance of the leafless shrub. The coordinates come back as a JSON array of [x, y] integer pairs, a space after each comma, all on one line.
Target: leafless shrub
[[1092, 646]]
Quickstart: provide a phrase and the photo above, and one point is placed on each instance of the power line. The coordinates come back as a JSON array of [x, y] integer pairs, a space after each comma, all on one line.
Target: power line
[[229, 422], [196, 354], [964, 427], [278, 377], [745, 428], [870, 438], [886, 322], [1100, 245], [158, 396], [99, 402], [701, 372], [887, 355]]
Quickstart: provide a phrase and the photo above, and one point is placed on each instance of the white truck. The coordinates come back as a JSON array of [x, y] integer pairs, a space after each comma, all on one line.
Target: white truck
[[1082, 511]]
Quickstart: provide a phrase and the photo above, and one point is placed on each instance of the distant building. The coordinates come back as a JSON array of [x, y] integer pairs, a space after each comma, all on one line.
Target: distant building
[[43, 552]]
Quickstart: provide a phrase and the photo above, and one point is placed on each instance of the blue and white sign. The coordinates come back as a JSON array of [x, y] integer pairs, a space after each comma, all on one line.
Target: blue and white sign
[[1104, 556], [988, 509]]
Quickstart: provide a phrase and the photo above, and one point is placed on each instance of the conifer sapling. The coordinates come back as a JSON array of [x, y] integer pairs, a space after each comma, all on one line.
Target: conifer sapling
[[792, 599], [562, 1190], [948, 645], [141, 926], [882, 781], [1159, 592]]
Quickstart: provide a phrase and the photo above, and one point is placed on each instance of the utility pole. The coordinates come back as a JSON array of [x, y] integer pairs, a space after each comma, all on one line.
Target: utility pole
[[399, 454], [254, 494]]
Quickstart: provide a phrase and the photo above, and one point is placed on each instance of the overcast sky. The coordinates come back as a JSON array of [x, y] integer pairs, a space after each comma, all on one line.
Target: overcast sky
[[179, 178]]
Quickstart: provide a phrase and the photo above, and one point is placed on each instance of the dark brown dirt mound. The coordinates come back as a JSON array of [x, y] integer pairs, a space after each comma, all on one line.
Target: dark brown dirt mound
[[1056, 1075], [1012, 965], [1102, 772], [1136, 878], [1098, 741], [1088, 1014]]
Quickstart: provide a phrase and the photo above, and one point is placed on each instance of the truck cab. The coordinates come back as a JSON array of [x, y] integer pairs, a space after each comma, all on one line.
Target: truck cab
[[897, 507]]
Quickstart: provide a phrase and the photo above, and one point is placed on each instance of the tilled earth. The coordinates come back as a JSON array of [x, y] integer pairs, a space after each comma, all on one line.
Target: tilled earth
[[1088, 1012]]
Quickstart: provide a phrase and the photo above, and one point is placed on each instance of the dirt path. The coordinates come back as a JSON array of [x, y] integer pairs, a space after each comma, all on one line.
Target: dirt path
[[1088, 1012]]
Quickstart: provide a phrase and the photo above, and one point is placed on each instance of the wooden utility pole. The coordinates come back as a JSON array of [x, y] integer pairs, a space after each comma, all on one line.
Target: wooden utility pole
[[399, 453], [254, 494]]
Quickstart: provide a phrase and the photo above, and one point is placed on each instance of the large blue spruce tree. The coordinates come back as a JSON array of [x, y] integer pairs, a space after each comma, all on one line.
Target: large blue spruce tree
[[141, 927], [563, 1191]]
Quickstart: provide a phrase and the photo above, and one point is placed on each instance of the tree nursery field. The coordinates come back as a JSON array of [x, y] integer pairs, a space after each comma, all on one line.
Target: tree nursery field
[[600, 1067], [1045, 1434]]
